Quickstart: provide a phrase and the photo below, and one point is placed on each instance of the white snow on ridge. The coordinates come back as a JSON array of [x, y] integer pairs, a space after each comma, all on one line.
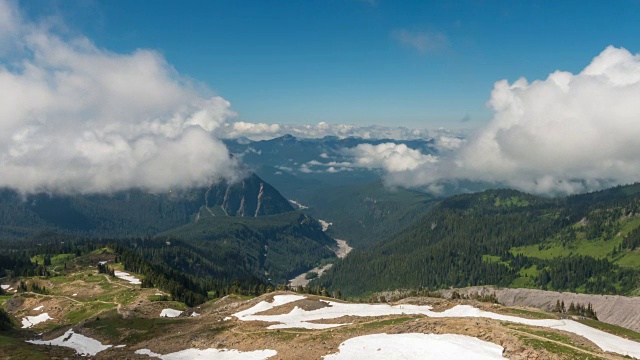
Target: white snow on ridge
[[416, 346], [325, 224], [223, 354], [30, 321], [299, 318], [170, 313], [128, 277], [300, 206], [81, 344]]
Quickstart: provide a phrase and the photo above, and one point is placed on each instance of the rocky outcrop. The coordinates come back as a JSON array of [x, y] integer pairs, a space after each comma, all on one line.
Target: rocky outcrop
[[613, 309]]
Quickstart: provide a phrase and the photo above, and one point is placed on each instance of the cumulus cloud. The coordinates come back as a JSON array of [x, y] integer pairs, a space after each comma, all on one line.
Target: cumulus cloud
[[262, 131], [389, 156], [423, 42], [565, 134], [77, 118]]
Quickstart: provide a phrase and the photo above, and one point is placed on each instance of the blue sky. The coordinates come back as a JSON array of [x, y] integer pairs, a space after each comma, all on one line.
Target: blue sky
[[409, 63]]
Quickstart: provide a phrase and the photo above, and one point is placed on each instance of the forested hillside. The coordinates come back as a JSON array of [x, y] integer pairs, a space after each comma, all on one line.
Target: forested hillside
[[134, 212], [366, 214], [581, 243]]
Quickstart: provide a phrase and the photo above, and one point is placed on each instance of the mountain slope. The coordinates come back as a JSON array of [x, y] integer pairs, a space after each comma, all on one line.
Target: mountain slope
[[366, 214], [478, 239], [134, 212], [251, 196]]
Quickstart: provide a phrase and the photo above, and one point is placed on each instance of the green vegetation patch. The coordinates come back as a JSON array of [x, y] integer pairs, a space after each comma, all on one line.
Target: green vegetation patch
[[529, 313], [131, 331], [12, 346], [87, 310], [612, 329], [383, 323]]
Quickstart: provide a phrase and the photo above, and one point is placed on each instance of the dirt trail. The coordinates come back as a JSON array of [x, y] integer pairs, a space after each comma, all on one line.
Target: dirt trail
[[613, 309]]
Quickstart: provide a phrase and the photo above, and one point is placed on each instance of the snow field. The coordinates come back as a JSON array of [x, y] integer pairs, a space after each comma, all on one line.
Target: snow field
[[30, 321], [127, 277], [416, 346], [299, 318], [83, 345], [193, 354], [170, 313]]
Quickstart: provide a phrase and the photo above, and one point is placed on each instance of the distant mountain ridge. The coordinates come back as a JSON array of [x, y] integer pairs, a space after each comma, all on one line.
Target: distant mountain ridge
[[251, 196], [135, 212]]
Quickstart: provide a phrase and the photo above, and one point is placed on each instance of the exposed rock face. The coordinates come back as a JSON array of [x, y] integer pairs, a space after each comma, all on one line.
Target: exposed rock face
[[613, 309], [248, 197]]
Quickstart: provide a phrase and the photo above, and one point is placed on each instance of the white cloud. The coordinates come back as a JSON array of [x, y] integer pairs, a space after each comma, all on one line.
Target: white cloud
[[77, 118], [262, 131], [423, 42], [568, 133], [390, 157]]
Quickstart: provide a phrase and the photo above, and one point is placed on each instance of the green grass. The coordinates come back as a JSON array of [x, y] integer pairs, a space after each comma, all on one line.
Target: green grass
[[490, 258], [13, 347], [131, 331], [511, 201], [529, 313], [549, 346], [87, 310], [555, 348], [630, 259], [4, 298], [612, 329], [523, 283], [382, 323], [596, 248]]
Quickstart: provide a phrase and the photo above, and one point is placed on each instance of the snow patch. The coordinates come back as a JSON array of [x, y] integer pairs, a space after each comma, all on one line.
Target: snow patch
[[103, 262], [76, 294], [300, 206], [127, 277], [223, 354], [30, 321], [39, 308], [5, 287], [194, 314], [170, 313], [83, 345], [325, 224], [299, 318], [416, 346]]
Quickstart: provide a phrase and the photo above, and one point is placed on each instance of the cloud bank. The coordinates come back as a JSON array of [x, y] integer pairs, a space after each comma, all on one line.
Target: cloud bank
[[262, 131], [568, 133], [75, 118]]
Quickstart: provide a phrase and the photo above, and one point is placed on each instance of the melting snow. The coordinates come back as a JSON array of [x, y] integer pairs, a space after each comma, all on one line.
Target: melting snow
[[299, 318], [190, 354], [416, 346], [81, 344], [300, 206], [30, 321], [170, 313], [194, 314], [38, 308], [103, 262], [75, 294], [325, 224], [128, 277], [5, 287]]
